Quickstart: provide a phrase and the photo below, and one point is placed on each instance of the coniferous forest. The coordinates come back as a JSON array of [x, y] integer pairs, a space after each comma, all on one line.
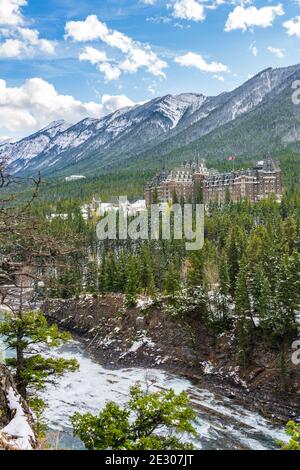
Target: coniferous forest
[[149, 231], [244, 280]]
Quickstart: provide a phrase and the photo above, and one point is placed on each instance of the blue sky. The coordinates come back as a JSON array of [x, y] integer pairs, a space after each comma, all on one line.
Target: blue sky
[[67, 59]]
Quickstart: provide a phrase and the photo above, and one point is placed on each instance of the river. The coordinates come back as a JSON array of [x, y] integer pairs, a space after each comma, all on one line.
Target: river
[[221, 423]]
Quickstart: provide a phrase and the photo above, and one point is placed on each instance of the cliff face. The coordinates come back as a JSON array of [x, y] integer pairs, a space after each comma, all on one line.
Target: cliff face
[[148, 337], [16, 420], [125, 337]]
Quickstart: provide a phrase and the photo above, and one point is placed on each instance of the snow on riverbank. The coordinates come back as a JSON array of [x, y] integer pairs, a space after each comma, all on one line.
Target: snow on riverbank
[[18, 432], [221, 423]]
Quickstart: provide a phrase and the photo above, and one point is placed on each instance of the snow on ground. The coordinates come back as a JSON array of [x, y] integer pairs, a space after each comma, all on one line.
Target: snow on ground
[[232, 372], [18, 431], [141, 341], [143, 303]]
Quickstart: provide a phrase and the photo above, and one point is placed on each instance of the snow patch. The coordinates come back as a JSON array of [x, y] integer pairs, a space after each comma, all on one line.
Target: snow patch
[[18, 430], [138, 344]]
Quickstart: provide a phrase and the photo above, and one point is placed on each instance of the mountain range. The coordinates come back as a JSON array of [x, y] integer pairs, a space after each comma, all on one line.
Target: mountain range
[[256, 118]]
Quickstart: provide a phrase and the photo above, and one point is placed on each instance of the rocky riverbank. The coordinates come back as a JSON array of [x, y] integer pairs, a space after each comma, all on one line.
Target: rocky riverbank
[[146, 337], [16, 420]]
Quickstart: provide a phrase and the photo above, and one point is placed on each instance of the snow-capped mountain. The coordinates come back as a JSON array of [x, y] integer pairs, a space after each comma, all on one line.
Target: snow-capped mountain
[[127, 129], [20, 153], [155, 128], [6, 140]]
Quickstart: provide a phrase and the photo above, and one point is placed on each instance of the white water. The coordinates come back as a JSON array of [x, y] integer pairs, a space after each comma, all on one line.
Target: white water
[[221, 423]]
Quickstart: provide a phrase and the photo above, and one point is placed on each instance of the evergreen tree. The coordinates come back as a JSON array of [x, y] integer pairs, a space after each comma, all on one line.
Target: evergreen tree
[[155, 198], [92, 278], [175, 199], [290, 232], [132, 287], [121, 273], [224, 276], [23, 331], [283, 323], [109, 272], [138, 425], [243, 310], [235, 249], [293, 430], [172, 280], [198, 196], [147, 280]]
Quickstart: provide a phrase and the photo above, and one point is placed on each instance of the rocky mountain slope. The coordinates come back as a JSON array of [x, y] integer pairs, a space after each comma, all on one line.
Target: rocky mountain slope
[[257, 115], [19, 154], [269, 127]]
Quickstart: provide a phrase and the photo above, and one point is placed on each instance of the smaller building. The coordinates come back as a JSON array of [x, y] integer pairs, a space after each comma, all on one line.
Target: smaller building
[[132, 209], [75, 178]]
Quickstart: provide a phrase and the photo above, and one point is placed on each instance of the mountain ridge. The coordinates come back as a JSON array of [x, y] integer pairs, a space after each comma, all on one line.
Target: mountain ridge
[[162, 127]]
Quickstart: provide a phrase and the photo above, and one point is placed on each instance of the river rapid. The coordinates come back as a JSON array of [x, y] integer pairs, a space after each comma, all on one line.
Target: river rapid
[[221, 423]]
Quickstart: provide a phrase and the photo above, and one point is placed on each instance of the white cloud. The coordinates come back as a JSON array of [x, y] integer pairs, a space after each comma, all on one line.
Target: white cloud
[[92, 55], [110, 104], [36, 103], [18, 40], [293, 26], [24, 42], [152, 89], [97, 57], [111, 72], [280, 53], [149, 2], [11, 48], [137, 55], [31, 38], [188, 10], [253, 49], [244, 18], [196, 60], [220, 78], [10, 13]]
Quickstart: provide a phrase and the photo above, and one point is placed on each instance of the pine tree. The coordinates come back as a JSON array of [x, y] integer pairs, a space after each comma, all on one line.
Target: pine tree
[[108, 272], [224, 276], [92, 278], [121, 273], [287, 298], [198, 196], [293, 430], [68, 283], [243, 310], [290, 232], [175, 199], [172, 280], [235, 249], [155, 198], [138, 425], [132, 287], [22, 332], [147, 279]]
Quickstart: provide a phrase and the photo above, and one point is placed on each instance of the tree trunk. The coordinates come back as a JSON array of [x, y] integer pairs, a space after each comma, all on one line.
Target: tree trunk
[[21, 385]]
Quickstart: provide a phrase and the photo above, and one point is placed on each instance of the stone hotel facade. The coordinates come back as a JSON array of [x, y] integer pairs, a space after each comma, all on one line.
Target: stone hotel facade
[[253, 184]]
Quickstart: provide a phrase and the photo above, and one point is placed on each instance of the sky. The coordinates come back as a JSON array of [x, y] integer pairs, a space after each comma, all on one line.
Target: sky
[[70, 59]]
